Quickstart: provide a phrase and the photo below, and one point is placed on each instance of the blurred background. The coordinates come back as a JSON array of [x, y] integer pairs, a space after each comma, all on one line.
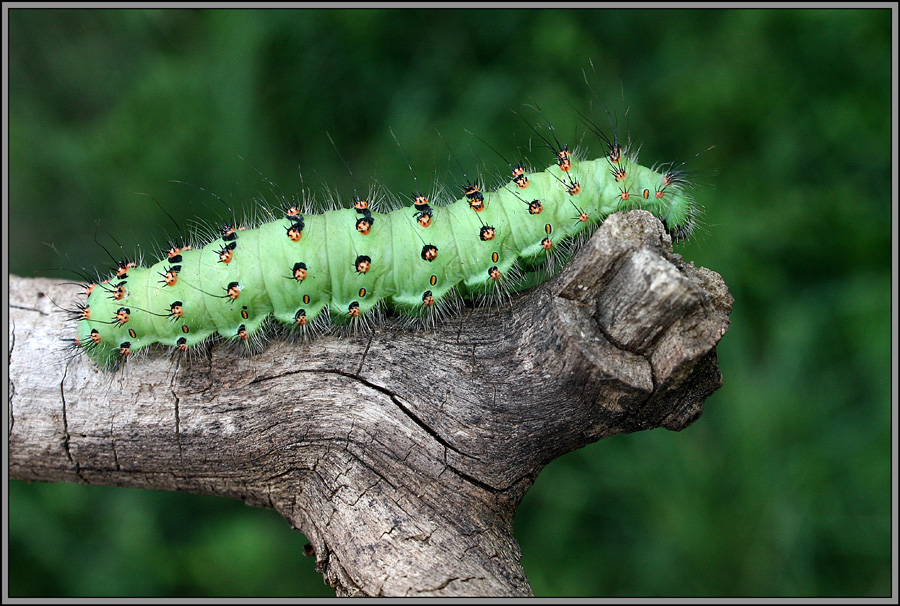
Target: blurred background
[[781, 488]]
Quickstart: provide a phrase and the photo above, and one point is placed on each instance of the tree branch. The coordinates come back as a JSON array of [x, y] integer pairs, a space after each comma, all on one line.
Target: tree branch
[[401, 455]]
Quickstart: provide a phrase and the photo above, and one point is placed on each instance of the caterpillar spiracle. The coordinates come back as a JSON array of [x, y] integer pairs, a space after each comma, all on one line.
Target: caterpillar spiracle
[[310, 270]]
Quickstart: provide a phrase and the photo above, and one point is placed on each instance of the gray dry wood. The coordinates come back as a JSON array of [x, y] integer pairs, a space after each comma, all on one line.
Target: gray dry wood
[[401, 455]]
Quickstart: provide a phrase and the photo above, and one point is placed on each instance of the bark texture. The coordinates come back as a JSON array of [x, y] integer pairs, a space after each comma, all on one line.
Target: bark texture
[[401, 455]]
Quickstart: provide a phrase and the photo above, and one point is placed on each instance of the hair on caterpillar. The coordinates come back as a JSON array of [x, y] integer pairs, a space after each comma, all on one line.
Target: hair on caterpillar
[[498, 289], [429, 239], [182, 356], [247, 343], [305, 331], [434, 311], [360, 325]]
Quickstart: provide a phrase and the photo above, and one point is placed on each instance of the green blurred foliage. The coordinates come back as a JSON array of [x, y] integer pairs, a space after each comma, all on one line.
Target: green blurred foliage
[[782, 488]]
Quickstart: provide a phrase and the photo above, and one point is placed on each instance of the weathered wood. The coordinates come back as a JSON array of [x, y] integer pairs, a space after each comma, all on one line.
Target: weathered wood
[[401, 455]]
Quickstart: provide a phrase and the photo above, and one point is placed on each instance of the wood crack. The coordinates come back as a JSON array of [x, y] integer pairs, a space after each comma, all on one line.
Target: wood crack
[[65, 444], [365, 353], [43, 313], [393, 397], [178, 429], [12, 385]]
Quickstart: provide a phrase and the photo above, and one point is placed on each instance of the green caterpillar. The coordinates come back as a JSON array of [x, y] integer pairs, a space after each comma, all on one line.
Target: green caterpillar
[[340, 265]]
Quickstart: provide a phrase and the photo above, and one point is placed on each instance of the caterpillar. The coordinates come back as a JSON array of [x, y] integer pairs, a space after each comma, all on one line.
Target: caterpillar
[[342, 266]]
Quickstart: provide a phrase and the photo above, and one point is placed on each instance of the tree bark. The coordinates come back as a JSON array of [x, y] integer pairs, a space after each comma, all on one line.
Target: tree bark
[[402, 455]]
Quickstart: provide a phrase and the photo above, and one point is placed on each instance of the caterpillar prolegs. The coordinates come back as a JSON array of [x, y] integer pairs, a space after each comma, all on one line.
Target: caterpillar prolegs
[[342, 264]]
